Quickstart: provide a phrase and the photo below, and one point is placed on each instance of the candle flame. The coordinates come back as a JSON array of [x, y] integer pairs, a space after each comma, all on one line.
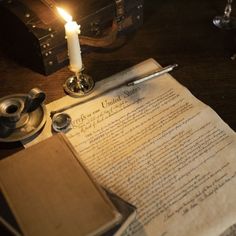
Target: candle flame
[[66, 16]]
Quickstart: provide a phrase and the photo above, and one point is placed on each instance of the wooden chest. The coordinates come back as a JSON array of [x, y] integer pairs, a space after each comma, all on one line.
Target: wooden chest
[[34, 32]]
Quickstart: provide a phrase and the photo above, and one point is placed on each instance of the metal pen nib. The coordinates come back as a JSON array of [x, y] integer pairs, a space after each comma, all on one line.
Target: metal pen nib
[[153, 75]]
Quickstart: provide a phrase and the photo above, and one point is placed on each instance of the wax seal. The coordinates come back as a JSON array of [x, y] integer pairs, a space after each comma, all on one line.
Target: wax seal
[[61, 122]]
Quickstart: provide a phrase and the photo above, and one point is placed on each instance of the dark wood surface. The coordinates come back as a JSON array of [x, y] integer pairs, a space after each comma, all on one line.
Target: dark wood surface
[[173, 32]]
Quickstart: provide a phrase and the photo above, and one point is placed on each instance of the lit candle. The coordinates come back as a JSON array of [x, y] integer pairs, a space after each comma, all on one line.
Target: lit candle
[[72, 30]]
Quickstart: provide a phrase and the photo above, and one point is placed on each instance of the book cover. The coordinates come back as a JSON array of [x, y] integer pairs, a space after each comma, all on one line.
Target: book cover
[[51, 193]]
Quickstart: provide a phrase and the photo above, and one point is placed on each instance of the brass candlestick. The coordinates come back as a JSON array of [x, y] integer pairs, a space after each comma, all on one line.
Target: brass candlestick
[[79, 85]]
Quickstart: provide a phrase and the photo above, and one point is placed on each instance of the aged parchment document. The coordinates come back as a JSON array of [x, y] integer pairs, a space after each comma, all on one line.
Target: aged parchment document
[[163, 150]]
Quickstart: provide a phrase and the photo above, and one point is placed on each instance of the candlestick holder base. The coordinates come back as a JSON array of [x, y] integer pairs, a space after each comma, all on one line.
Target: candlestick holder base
[[79, 85]]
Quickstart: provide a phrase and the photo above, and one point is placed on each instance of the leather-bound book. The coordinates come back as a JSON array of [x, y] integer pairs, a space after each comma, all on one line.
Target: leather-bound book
[[50, 192]]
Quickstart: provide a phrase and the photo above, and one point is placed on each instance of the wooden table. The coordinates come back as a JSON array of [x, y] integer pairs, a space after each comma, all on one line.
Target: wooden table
[[173, 32]]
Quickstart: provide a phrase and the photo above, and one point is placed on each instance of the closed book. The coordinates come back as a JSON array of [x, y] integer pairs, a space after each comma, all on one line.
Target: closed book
[[50, 192]]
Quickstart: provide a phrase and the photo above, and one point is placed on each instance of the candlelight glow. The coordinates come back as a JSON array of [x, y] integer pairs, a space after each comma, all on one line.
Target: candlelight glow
[[66, 16]]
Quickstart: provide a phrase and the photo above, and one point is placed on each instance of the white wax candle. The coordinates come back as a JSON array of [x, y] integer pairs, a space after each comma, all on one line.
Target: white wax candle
[[72, 30]]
